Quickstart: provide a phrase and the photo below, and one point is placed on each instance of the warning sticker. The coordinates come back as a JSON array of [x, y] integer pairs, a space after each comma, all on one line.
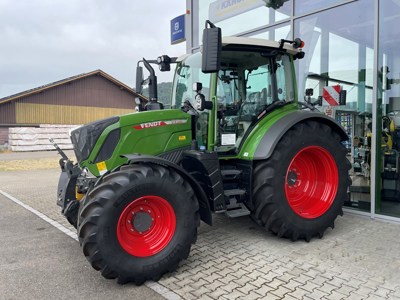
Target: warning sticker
[[228, 139], [101, 166], [329, 111]]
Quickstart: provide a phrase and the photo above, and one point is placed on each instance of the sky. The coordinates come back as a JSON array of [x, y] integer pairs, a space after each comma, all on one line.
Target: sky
[[42, 41]]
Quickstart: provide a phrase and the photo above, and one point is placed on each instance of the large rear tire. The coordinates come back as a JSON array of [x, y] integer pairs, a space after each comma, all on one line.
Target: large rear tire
[[138, 223], [300, 190]]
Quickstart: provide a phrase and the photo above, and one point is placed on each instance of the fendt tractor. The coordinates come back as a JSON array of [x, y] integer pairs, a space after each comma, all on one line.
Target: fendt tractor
[[234, 140]]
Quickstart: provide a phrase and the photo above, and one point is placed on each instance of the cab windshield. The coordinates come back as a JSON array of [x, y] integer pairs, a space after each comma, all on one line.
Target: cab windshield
[[187, 73], [249, 85]]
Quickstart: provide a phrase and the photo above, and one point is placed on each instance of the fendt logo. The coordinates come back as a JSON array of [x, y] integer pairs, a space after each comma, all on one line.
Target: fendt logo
[[159, 123], [149, 125]]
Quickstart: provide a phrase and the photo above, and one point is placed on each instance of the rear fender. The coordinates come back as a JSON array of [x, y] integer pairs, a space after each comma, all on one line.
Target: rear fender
[[268, 143], [204, 206]]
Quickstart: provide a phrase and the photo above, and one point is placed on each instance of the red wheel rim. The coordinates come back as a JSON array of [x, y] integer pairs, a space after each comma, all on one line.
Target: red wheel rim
[[311, 182], [146, 226]]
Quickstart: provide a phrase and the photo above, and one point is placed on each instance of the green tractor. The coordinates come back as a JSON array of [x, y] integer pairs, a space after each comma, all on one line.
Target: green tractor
[[234, 141]]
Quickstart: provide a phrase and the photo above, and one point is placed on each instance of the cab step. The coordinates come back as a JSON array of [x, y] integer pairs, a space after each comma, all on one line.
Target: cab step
[[234, 193], [233, 199], [230, 174], [240, 211]]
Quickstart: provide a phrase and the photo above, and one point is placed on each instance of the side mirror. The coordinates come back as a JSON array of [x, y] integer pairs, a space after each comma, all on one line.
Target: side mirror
[[139, 79], [212, 45], [152, 80]]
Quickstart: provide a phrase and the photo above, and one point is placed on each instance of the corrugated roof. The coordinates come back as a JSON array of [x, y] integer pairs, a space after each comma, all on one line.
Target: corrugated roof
[[69, 79]]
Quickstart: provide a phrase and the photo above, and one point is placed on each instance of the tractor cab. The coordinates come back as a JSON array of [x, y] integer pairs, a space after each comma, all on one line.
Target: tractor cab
[[254, 78]]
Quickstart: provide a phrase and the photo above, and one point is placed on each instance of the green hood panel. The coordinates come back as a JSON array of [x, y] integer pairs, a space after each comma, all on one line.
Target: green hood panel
[[150, 132]]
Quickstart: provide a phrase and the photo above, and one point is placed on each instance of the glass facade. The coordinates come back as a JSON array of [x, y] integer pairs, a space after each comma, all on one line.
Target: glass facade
[[351, 46], [339, 52], [278, 32], [234, 15], [307, 6], [388, 110]]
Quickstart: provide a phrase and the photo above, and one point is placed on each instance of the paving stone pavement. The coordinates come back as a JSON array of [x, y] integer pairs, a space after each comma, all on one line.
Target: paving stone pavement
[[236, 259]]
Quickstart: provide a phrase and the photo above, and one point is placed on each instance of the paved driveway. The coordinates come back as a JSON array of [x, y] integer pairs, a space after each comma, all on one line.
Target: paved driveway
[[37, 261], [235, 259]]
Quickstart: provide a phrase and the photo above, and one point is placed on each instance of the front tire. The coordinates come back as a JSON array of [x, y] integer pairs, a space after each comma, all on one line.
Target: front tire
[[138, 223], [300, 190]]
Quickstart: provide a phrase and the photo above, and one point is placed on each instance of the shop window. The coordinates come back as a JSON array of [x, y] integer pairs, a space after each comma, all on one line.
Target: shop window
[[274, 33], [339, 54], [388, 127], [306, 6], [235, 17]]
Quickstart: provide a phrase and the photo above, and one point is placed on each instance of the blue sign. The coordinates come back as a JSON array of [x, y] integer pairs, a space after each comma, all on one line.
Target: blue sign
[[178, 30]]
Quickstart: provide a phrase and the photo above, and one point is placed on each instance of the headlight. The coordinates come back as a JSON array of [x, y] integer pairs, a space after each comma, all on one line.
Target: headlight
[[108, 146]]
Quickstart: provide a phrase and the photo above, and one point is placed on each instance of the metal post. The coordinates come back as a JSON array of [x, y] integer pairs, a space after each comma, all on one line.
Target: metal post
[[375, 107], [189, 33]]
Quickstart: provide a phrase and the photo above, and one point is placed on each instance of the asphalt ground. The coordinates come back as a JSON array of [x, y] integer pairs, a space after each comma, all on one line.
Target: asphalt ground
[[6, 156], [234, 259], [38, 261]]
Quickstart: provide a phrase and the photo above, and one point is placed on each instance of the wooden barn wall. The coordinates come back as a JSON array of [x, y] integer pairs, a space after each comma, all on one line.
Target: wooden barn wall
[[78, 102], [7, 113], [30, 113], [90, 91], [3, 135]]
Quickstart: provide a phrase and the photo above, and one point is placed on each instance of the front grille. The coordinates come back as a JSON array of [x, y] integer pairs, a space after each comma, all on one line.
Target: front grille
[[84, 138]]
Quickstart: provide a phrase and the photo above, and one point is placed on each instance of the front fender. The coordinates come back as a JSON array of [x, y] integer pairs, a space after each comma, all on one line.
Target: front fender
[[269, 141]]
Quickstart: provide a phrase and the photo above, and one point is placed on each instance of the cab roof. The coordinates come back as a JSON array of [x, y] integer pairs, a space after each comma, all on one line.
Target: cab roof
[[230, 40]]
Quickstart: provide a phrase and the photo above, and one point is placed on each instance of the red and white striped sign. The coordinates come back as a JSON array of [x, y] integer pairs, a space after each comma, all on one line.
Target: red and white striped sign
[[331, 95]]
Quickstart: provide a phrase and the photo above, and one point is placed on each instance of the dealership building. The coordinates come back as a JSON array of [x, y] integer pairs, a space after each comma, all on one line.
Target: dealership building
[[348, 43]]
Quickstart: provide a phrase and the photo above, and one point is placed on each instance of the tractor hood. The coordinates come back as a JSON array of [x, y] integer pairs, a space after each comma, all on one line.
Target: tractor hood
[[100, 145], [85, 137]]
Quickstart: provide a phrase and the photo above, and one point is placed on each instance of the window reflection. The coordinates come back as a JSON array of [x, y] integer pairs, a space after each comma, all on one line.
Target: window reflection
[[251, 15], [338, 51], [388, 128], [274, 33], [305, 6]]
